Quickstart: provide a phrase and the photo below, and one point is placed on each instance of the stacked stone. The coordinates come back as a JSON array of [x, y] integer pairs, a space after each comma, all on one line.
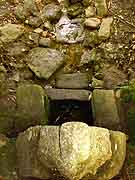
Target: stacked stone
[[64, 33]]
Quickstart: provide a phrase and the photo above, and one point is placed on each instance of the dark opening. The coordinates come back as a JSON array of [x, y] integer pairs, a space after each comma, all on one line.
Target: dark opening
[[62, 111]]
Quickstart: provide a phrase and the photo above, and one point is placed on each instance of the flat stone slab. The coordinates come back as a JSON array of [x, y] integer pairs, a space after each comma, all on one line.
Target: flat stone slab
[[44, 61], [72, 81], [105, 109], [68, 94]]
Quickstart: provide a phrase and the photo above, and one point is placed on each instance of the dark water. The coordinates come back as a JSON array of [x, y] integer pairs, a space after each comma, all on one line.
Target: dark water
[[62, 111]]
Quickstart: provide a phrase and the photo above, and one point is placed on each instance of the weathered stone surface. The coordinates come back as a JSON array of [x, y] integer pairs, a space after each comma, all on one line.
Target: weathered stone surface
[[34, 21], [101, 6], [68, 94], [10, 32], [51, 12], [92, 22], [32, 106], [90, 11], [27, 147], [91, 39], [91, 57], [105, 109], [113, 167], [17, 49], [46, 42], [113, 77], [105, 28], [20, 12], [7, 158], [73, 151], [68, 31], [72, 81], [30, 7], [79, 152], [44, 61], [49, 149]]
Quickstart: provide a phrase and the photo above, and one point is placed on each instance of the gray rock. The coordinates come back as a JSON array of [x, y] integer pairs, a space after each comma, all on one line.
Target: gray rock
[[46, 42], [68, 31], [105, 28], [32, 106], [68, 94], [51, 12], [73, 151], [105, 110], [72, 81], [92, 22], [10, 32], [90, 11], [7, 158], [101, 6], [34, 21], [44, 61]]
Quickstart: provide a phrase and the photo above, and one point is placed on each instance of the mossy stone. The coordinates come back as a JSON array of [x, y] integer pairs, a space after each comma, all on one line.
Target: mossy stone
[[32, 106]]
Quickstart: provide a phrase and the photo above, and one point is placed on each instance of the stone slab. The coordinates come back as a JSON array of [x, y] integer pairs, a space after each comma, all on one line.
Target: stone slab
[[72, 81], [105, 109], [68, 94]]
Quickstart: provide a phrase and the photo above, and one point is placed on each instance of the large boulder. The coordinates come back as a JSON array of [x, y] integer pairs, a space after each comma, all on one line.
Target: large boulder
[[10, 32], [44, 61], [73, 150]]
